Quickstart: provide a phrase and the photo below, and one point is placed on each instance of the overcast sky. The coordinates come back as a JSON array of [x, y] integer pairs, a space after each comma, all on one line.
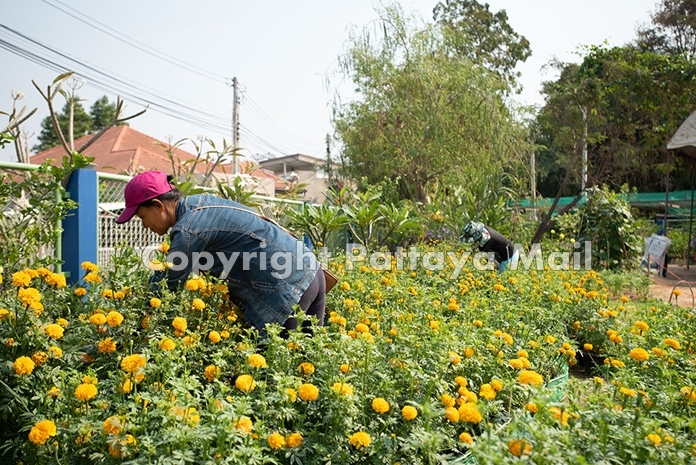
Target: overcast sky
[[181, 57]]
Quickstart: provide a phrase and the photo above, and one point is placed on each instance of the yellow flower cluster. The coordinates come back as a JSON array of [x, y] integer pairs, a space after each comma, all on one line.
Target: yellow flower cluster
[[42, 431], [133, 363]]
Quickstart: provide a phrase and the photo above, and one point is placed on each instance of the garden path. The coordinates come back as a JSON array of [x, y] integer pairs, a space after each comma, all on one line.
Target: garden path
[[661, 287]]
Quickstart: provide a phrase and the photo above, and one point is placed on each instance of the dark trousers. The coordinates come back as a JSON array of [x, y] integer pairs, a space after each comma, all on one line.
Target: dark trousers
[[312, 302]]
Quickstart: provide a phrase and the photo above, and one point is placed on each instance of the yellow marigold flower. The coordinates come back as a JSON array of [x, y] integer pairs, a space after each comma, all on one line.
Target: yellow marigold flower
[[24, 366], [55, 352], [155, 302], [4, 313], [518, 447], [643, 326], [380, 405], [179, 324], [466, 438], [550, 339], [163, 247], [345, 285], [588, 347], [657, 351], [531, 407], [618, 363], [498, 287], [214, 337], [90, 267], [497, 385], [276, 441], [452, 414], [487, 392], [673, 343], [409, 412], [80, 292], [29, 296], [477, 323], [461, 381], [39, 358], [469, 413], [244, 424], [189, 341], [245, 383], [133, 363], [677, 292], [360, 439], [166, 344], [560, 415], [107, 346], [454, 306], [308, 392], [62, 321], [257, 361], [454, 358], [41, 432], [225, 334], [92, 278], [469, 352], [639, 354], [114, 318], [54, 392], [305, 368], [211, 372], [627, 392], [119, 295], [530, 377], [54, 331], [654, 438], [342, 388], [292, 395], [112, 425], [198, 304], [98, 319], [293, 440], [21, 279], [447, 400], [345, 368], [107, 293], [56, 280], [516, 363], [85, 392]]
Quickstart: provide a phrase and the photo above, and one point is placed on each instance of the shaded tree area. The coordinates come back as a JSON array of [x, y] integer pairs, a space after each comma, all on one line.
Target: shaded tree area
[[619, 106]]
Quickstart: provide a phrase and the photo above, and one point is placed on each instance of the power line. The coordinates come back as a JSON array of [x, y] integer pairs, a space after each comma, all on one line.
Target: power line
[[136, 44]]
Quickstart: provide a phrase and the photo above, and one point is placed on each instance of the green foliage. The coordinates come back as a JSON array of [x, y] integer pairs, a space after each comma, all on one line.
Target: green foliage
[[423, 116], [82, 125], [317, 222], [35, 202], [484, 37], [102, 113], [606, 221]]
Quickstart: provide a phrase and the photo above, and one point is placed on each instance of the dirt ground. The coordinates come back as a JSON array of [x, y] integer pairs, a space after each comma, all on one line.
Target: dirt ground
[[683, 279]]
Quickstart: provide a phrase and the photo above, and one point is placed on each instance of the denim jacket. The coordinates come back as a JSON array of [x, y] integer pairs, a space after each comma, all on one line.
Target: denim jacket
[[267, 270]]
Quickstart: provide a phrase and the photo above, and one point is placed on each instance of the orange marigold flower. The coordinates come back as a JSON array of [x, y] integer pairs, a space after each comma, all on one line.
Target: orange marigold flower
[[639, 354], [466, 438], [257, 361], [293, 440], [276, 441], [380, 405], [24, 366], [42, 431], [85, 392], [308, 392], [518, 447], [530, 377]]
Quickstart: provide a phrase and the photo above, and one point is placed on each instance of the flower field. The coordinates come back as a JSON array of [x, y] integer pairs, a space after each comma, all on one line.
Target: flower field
[[412, 367]]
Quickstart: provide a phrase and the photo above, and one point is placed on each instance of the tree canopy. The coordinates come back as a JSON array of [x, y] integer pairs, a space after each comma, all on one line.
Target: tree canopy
[[101, 114], [425, 114]]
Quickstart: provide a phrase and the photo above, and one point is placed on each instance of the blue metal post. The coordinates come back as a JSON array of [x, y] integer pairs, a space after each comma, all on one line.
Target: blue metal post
[[79, 240]]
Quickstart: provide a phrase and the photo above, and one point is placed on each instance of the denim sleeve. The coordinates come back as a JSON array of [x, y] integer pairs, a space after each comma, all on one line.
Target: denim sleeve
[[182, 246]]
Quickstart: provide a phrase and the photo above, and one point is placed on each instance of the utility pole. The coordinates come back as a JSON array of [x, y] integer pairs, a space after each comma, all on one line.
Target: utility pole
[[235, 125], [584, 148], [532, 184]]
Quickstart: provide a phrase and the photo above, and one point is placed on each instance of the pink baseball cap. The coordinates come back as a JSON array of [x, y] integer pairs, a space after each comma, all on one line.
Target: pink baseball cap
[[143, 187]]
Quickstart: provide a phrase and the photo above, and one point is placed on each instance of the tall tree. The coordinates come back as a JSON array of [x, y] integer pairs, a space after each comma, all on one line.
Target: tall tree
[[102, 112], [422, 114], [82, 125], [486, 38], [673, 29], [624, 103]]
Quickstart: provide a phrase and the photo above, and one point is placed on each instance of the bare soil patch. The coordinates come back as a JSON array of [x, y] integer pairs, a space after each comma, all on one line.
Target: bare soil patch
[[676, 277]]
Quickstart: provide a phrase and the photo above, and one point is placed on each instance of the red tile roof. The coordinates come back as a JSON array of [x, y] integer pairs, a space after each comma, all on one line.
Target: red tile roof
[[122, 149]]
